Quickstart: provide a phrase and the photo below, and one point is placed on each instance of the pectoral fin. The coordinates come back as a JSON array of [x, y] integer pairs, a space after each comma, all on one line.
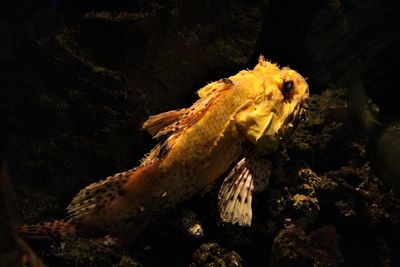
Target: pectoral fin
[[235, 196]]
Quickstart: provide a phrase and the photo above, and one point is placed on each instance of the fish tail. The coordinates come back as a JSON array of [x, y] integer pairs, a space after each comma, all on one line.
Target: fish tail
[[48, 230]]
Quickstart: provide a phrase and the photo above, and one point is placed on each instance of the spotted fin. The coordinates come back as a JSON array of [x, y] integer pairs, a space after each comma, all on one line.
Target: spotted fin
[[169, 125], [214, 87], [98, 195], [158, 122], [156, 153], [236, 193], [48, 230], [173, 122]]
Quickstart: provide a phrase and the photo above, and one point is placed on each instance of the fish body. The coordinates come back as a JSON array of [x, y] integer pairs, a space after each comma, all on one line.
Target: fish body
[[197, 145]]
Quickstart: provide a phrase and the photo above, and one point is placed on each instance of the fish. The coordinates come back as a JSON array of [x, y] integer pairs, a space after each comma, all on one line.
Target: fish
[[235, 120]]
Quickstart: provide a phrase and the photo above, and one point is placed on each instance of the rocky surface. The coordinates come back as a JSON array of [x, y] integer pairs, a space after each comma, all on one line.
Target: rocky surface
[[82, 77]]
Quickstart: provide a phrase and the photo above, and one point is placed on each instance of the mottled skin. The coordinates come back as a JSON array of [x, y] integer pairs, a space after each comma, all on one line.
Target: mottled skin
[[202, 143], [193, 162]]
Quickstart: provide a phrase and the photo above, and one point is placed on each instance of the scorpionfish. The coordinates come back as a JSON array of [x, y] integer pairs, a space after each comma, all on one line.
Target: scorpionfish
[[220, 134]]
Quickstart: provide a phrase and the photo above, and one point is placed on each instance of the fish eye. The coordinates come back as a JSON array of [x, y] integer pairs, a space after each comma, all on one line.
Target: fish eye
[[287, 87]]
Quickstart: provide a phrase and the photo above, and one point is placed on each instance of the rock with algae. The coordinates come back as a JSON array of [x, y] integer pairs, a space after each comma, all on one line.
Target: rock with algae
[[293, 247], [328, 168], [212, 255], [386, 152], [74, 251]]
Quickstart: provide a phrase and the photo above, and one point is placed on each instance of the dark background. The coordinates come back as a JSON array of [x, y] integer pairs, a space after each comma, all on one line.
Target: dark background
[[78, 78]]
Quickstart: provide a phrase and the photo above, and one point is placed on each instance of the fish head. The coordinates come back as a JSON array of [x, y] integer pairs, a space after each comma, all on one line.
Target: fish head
[[279, 100]]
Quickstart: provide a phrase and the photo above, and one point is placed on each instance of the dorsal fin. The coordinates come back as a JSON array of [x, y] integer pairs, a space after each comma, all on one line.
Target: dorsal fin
[[174, 121], [98, 195], [159, 150], [158, 122], [169, 125], [213, 87]]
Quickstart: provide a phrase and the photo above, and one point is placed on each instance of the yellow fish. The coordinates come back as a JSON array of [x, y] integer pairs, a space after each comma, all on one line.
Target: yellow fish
[[197, 145]]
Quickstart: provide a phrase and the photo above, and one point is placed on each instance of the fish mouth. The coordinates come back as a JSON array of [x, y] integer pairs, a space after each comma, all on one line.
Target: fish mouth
[[299, 113]]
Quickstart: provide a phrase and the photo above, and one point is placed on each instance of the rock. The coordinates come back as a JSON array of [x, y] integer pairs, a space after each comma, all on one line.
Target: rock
[[211, 254], [385, 151], [293, 247], [324, 135], [73, 251]]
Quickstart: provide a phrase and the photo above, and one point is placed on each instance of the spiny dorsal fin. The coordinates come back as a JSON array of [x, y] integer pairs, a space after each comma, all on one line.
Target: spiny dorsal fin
[[236, 193], [170, 124], [174, 121], [158, 151], [158, 122], [213, 87], [98, 195]]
